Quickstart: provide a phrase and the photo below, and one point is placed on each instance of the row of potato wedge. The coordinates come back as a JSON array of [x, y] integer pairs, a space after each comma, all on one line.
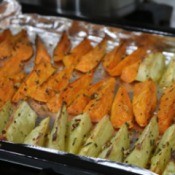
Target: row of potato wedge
[[80, 136]]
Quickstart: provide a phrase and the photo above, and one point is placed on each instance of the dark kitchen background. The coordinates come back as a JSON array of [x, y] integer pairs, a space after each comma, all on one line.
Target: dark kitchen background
[[149, 14]]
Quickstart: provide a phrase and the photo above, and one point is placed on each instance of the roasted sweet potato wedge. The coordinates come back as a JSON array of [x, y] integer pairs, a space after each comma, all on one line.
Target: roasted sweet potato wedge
[[69, 94], [75, 88], [62, 48], [121, 111], [89, 61], [37, 77], [41, 52], [114, 57], [134, 57], [166, 109], [5, 43], [55, 84], [54, 103], [8, 87], [78, 105], [22, 47], [101, 102], [144, 101], [77, 52], [130, 72]]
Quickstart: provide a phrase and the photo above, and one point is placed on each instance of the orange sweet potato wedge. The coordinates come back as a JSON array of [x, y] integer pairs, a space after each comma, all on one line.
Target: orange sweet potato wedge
[[144, 101], [38, 76], [5, 44], [21, 51], [77, 52], [89, 61], [18, 46], [7, 90], [5, 34], [62, 48], [134, 57], [55, 84], [75, 88], [114, 57], [22, 47], [121, 111], [69, 94], [41, 52], [55, 103], [8, 87], [78, 105], [166, 110], [11, 67], [101, 102], [130, 72]]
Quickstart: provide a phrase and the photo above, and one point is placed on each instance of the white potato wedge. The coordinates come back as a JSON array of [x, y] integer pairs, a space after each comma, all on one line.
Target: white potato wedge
[[163, 151], [22, 123], [144, 146], [117, 146], [58, 132], [5, 114], [152, 67], [170, 168], [37, 135], [78, 129], [169, 75], [100, 135]]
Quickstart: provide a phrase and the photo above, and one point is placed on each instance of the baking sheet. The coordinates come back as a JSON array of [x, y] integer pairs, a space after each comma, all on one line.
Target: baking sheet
[[50, 30]]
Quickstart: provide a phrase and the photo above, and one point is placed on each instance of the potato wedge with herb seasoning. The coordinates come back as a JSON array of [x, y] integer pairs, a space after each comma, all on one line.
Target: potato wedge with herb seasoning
[[152, 67], [122, 111], [41, 52], [62, 48], [169, 75], [163, 151], [58, 133], [78, 129], [102, 133], [116, 147], [144, 101], [37, 135], [170, 168], [22, 123], [90, 60], [5, 114], [166, 110], [143, 148]]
